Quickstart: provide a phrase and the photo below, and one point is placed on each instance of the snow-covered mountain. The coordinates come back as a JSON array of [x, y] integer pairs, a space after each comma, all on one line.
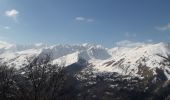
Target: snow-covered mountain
[[139, 60]]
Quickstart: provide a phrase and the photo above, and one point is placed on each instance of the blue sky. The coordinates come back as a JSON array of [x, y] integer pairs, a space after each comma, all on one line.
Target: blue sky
[[102, 22]]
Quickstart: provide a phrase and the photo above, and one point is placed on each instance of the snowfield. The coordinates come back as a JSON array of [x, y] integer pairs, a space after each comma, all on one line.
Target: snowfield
[[132, 60]]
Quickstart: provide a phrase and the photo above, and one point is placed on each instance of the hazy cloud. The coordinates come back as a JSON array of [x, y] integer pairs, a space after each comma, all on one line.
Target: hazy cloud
[[90, 20], [84, 19], [127, 43], [80, 18], [164, 28], [127, 34], [7, 27], [150, 40]]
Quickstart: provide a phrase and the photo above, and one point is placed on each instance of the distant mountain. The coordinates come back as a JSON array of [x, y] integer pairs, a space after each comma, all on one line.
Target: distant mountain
[[140, 60], [142, 69]]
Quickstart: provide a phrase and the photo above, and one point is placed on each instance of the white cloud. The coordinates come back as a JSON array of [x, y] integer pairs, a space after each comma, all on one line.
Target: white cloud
[[13, 13], [164, 28], [84, 19]]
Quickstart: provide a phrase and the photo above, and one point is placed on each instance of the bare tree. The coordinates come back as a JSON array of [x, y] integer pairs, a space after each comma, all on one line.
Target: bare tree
[[38, 80], [45, 80], [7, 83]]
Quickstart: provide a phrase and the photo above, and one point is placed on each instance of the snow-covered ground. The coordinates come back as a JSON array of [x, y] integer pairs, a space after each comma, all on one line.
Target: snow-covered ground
[[122, 59]]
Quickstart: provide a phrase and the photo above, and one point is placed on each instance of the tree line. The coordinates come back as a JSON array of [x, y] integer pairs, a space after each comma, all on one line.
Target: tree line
[[38, 80]]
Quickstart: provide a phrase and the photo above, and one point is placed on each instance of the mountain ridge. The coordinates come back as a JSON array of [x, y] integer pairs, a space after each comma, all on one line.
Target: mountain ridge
[[125, 60]]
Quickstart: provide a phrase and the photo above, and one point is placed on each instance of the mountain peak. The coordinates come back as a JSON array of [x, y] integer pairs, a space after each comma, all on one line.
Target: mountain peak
[[122, 59]]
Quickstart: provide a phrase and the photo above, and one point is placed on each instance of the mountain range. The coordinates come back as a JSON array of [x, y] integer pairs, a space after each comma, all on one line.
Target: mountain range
[[138, 60], [141, 69]]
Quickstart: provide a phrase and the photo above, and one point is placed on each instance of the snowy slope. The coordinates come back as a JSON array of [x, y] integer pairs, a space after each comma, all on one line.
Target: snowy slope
[[128, 61], [17, 55], [135, 60]]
